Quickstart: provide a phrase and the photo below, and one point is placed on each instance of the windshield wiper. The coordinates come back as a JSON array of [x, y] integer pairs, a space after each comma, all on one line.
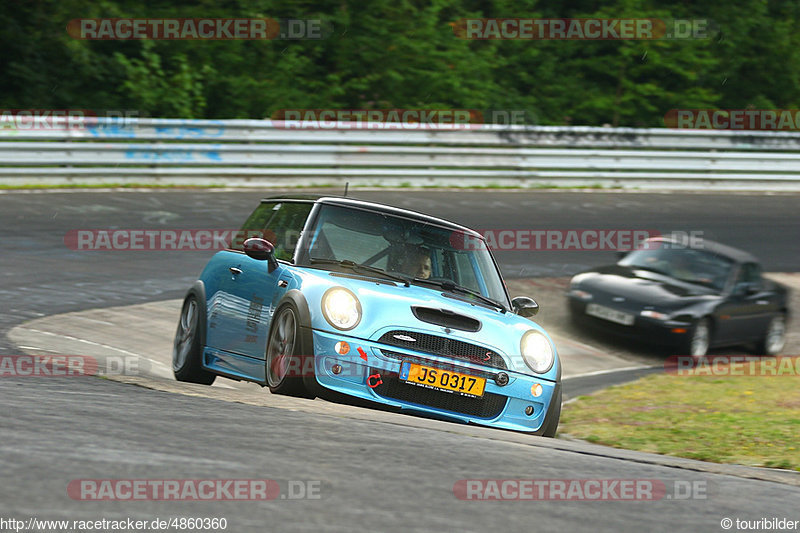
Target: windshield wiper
[[453, 287], [357, 266]]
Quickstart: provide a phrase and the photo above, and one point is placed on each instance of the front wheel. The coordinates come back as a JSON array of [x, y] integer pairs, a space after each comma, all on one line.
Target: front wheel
[[774, 337], [551, 423], [187, 348], [699, 339], [285, 365]]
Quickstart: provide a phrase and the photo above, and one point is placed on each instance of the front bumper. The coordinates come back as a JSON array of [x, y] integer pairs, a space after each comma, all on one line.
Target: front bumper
[[649, 330], [370, 371]]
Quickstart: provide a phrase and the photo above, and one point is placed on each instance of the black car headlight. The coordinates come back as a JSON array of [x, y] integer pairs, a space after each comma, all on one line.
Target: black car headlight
[[580, 294], [341, 308], [537, 351], [649, 313]]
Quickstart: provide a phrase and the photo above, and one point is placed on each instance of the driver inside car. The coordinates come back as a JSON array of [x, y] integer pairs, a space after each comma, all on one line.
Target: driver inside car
[[418, 264]]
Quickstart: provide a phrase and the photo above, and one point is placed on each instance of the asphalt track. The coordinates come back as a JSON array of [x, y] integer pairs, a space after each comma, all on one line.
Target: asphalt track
[[377, 471]]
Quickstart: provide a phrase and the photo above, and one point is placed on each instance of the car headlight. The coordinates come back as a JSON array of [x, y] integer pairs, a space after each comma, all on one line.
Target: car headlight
[[649, 313], [536, 351], [583, 295], [341, 308]]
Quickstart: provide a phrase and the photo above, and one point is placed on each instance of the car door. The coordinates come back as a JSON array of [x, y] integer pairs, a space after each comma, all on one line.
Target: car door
[[220, 278], [749, 306], [252, 289]]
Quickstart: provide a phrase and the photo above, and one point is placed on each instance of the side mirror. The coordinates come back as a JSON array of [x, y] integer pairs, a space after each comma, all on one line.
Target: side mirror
[[746, 288], [752, 288], [261, 250], [524, 306]]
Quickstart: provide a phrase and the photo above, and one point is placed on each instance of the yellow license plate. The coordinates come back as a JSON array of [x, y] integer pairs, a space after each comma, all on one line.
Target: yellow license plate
[[443, 380]]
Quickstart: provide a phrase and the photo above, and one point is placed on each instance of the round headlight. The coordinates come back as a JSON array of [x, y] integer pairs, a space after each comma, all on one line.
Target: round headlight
[[341, 308], [536, 351]]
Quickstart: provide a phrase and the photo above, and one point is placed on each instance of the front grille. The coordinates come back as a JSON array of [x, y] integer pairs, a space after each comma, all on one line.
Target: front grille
[[438, 364], [489, 406], [444, 346]]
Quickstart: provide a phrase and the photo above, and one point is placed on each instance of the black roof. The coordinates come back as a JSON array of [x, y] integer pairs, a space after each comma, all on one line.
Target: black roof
[[737, 255], [373, 206]]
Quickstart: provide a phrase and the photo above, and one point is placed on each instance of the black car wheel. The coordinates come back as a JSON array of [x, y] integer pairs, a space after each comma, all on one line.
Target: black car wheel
[[551, 423], [699, 339], [187, 349], [774, 337], [285, 365]]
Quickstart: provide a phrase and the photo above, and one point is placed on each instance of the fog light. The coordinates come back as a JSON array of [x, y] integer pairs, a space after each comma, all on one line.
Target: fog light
[[336, 369], [529, 410], [536, 390], [342, 348]]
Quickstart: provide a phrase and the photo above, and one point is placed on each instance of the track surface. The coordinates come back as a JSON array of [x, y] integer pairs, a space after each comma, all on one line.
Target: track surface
[[376, 474]]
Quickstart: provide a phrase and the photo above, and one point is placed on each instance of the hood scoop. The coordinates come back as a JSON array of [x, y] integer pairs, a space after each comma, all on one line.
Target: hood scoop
[[446, 318]]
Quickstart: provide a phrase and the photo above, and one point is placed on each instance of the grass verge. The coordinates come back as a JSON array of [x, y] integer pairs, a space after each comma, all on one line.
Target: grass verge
[[748, 420]]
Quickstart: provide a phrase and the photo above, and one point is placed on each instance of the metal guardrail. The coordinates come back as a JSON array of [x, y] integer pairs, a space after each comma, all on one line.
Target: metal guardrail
[[269, 153]]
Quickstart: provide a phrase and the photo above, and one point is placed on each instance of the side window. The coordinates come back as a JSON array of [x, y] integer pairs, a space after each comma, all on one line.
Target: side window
[[285, 227], [280, 223], [254, 225], [750, 273]]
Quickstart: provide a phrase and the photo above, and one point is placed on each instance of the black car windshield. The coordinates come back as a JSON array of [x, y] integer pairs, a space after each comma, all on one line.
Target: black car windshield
[[414, 249], [684, 264]]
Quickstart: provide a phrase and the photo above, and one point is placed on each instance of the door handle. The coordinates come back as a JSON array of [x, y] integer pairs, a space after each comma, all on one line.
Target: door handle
[[235, 271]]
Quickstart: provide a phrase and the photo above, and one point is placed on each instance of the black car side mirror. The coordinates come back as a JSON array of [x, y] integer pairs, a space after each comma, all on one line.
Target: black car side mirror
[[746, 288], [752, 288], [524, 306], [261, 250]]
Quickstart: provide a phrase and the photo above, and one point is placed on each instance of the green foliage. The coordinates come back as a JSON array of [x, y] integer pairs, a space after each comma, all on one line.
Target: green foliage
[[404, 54]]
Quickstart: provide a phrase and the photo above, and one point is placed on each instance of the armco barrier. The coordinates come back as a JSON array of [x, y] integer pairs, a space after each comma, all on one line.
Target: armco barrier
[[267, 153]]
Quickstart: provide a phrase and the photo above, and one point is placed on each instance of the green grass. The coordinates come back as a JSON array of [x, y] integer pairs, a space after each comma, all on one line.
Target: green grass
[[747, 420]]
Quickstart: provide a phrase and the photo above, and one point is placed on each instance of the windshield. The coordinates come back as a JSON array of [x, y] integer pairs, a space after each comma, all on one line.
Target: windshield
[[423, 253], [685, 264]]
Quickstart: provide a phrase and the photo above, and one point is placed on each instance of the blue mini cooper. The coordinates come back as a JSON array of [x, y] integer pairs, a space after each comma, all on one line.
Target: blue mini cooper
[[342, 298]]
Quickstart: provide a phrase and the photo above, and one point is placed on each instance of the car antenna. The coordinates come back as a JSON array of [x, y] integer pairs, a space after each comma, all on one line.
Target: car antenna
[[346, 185]]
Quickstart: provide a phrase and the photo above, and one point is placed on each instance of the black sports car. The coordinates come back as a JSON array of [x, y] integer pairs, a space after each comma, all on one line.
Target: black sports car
[[692, 297]]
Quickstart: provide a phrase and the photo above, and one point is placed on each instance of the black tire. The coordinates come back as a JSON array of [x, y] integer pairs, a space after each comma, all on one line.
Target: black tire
[[286, 366], [187, 348], [551, 423], [699, 339], [774, 338]]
